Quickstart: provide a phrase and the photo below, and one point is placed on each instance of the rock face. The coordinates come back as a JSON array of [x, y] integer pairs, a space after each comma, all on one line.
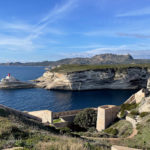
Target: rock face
[[16, 85], [145, 105], [131, 78]]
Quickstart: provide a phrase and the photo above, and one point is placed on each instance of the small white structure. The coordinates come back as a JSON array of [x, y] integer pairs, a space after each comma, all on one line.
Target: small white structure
[[9, 78]]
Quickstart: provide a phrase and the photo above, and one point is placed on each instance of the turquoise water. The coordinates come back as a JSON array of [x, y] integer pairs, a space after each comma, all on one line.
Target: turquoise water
[[38, 99]]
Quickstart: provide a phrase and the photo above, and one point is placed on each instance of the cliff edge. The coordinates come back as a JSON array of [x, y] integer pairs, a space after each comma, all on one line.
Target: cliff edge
[[94, 77]]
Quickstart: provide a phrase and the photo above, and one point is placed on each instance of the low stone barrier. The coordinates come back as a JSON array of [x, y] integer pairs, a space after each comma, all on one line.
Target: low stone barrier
[[65, 113], [68, 113], [20, 113], [62, 124]]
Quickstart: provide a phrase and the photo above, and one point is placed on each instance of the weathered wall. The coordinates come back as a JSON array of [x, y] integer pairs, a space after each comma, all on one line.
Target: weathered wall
[[139, 95], [45, 115], [131, 78], [68, 118], [106, 115], [65, 113], [62, 124], [20, 113]]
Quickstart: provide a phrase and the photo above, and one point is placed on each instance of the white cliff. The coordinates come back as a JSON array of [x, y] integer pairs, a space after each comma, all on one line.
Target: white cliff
[[131, 78]]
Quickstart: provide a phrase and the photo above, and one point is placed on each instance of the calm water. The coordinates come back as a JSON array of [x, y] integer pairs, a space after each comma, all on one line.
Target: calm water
[[38, 99]]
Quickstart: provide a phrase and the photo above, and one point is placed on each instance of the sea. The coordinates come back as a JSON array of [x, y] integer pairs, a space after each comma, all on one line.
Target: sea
[[41, 99]]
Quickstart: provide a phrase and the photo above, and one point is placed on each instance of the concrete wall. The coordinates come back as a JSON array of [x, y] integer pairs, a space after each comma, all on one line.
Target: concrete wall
[[67, 118], [62, 124], [65, 113], [20, 113], [45, 115], [106, 115], [139, 95]]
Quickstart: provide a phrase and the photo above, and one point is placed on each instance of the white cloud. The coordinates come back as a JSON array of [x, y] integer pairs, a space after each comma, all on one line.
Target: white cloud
[[136, 50], [138, 12], [22, 36]]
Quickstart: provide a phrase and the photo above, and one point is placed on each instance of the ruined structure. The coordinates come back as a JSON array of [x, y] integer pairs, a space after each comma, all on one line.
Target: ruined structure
[[106, 115], [137, 97], [45, 115]]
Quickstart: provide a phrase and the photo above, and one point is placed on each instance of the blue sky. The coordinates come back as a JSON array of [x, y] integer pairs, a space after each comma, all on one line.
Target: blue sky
[[37, 30]]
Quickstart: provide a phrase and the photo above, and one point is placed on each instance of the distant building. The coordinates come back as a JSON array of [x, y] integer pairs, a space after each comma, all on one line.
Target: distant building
[[9, 78]]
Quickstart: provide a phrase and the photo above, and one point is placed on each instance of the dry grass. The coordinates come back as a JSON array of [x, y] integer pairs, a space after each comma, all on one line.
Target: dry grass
[[64, 144]]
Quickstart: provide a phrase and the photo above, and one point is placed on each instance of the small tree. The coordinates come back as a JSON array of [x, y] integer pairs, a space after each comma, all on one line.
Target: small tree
[[86, 118]]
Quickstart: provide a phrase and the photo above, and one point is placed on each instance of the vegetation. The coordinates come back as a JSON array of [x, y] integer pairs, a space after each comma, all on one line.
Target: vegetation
[[143, 114], [57, 120], [141, 140], [125, 107], [19, 131], [75, 68], [121, 129], [134, 113], [86, 118]]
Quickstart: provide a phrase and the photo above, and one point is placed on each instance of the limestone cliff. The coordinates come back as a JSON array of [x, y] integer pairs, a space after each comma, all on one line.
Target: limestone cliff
[[129, 78]]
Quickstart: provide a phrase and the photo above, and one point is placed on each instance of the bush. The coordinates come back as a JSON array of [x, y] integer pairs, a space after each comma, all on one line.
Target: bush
[[92, 129], [86, 118], [128, 107], [111, 131], [134, 113], [143, 114]]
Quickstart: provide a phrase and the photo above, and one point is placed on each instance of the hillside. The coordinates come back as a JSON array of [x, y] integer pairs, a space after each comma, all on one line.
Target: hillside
[[98, 59], [17, 130]]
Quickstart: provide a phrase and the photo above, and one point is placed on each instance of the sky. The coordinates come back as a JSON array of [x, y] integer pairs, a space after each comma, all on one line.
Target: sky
[[38, 30]]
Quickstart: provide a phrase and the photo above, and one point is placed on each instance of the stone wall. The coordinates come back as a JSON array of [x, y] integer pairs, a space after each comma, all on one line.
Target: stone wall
[[139, 96], [106, 115], [45, 115], [65, 113], [20, 113]]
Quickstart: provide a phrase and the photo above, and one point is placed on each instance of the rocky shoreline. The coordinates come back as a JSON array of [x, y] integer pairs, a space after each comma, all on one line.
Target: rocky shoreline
[[127, 78]]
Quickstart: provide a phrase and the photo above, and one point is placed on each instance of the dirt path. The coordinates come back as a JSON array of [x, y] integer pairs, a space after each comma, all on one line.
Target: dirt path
[[113, 139]]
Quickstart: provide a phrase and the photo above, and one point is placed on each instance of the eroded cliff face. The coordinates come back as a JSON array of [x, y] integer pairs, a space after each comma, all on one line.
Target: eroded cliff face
[[131, 78]]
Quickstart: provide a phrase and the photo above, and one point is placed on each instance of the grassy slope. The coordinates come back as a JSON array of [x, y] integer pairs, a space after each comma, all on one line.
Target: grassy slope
[[75, 68], [16, 131], [142, 139]]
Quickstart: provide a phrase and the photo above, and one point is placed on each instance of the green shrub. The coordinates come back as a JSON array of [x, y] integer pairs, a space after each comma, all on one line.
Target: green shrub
[[111, 131], [134, 113], [143, 114], [128, 106], [4, 113], [125, 107], [65, 130], [92, 129], [86, 118]]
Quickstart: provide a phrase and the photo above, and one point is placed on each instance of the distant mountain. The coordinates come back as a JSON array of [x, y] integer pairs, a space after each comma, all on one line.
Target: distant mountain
[[98, 59]]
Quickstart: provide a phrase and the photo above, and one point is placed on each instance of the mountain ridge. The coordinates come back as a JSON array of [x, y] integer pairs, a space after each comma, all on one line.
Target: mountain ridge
[[97, 59]]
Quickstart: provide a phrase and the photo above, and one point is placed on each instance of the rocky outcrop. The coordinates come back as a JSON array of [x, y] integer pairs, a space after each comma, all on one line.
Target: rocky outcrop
[[131, 78], [16, 85]]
